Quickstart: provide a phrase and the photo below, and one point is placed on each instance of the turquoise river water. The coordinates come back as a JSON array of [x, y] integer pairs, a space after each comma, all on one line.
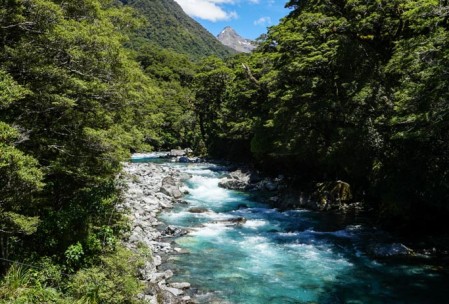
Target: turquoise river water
[[295, 256]]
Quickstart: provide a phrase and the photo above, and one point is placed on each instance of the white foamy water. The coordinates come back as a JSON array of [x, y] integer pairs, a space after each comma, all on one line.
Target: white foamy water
[[206, 189], [148, 155], [255, 224], [210, 230]]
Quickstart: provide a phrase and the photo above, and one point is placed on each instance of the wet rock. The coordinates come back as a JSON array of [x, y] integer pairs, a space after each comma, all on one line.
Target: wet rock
[[168, 274], [147, 271], [183, 159], [237, 180], [182, 285], [177, 152], [198, 210], [172, 231], [233, 221], [170, 187], [174, 291], [157, 260], [232, 184], [388, 250], [156, 277]]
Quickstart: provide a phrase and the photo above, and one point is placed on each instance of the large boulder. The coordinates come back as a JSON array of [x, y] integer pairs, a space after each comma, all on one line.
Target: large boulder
[[170, 187], [177, 152], [237, 180]]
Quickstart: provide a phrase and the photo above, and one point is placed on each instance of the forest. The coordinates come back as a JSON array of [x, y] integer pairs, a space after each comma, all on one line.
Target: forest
[[341, 89]]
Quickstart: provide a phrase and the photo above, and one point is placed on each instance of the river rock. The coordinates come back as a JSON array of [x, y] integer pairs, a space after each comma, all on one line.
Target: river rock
[[198, 210], [179, 152], [237, 180], [388, 250], [183, 159], [170, 187], [182, 285], [174, 291], [172, 231], [233, 221], [147, 189], [157, 260]]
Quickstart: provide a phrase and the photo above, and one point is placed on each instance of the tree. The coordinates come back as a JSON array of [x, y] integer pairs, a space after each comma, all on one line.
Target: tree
[[20, 176]]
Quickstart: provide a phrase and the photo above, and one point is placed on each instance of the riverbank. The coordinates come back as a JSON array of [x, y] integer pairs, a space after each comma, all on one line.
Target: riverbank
[[149, 189]]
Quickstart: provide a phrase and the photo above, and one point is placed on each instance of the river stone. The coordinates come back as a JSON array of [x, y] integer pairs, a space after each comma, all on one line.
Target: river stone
[[170, 187], [232, 184], [181, 285], [157, 277], [386, 250], [168, 274], [183, 159], [198, 210], [174, 291], [233, 221], [237, 180], [157, 260], [172, 231]]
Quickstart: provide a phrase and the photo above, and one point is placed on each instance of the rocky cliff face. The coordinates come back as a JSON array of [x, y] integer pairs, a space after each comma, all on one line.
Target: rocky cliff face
[[230, 38]]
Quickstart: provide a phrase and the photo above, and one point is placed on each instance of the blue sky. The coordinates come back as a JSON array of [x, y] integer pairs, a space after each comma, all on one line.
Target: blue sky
[[250, 18]]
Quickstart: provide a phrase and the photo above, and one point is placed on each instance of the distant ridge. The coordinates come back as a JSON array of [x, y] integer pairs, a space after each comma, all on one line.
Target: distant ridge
[[169, 27], [229, 37]]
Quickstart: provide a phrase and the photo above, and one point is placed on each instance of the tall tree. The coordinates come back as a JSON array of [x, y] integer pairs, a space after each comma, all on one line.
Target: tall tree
[[87, 103]]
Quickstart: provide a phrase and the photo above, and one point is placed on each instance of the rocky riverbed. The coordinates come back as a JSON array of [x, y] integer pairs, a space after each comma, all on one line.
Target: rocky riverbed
[[149, 189]]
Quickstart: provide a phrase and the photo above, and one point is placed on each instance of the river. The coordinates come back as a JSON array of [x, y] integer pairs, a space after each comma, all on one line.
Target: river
[[295, 256]]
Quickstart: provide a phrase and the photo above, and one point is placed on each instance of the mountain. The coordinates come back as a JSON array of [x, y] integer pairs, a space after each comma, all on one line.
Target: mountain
[[169, 27], [230, 38]]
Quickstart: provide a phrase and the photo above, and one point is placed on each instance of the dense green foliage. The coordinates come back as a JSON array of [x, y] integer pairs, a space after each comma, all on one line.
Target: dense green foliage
[[173, 74], [169, 27], [73, 102], [353, 90], [340, 89]]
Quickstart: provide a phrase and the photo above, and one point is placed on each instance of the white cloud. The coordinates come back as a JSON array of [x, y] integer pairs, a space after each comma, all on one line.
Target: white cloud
[[254, 1], [208, 9], [263, 21]]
